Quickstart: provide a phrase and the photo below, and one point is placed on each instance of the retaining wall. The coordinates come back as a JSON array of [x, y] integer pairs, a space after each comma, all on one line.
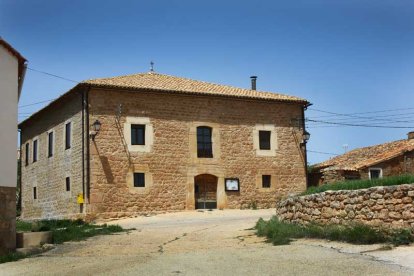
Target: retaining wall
[[390, 206]]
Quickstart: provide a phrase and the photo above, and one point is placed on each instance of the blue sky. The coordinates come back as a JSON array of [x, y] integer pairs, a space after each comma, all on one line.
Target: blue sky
[[343, 56]]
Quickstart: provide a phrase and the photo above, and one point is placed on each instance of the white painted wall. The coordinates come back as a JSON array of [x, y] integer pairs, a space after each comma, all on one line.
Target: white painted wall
[[8, 118]]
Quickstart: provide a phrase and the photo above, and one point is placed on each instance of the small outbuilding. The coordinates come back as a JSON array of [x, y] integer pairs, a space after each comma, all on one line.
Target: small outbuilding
[[388, 159]]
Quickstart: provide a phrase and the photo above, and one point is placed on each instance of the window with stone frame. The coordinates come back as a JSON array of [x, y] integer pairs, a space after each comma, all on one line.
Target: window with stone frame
[[264, 139], [137, 134], [50, 144], [27, 154], [375, 173], [204, 142], [35, 142], [266, 181], [139, 180], [68, 131]]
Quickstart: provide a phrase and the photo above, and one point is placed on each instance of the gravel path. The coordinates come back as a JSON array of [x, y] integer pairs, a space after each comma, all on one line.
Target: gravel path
[[207, 243]]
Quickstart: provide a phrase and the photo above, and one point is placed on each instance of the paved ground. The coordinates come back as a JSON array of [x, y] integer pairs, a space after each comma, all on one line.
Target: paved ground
[[208, 243]]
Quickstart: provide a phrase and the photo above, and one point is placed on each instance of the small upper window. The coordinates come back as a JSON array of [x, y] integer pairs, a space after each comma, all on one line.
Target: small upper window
[[137, 134], [204, 142], [67, 184], [266, 179], [68, 130], [50, 145], [26, 154], [139, 180], [264, 139], [34, 151], [375, 173]]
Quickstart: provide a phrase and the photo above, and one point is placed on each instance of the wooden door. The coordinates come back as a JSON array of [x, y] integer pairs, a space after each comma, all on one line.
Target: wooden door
[[205, 191]]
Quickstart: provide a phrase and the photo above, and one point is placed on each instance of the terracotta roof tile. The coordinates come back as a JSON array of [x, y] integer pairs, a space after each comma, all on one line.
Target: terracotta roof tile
[[367, 156], [160, 82]]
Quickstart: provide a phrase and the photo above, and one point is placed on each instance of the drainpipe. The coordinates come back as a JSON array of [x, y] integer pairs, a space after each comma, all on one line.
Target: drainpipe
[[304, 145], [20, 168], [88, 157]]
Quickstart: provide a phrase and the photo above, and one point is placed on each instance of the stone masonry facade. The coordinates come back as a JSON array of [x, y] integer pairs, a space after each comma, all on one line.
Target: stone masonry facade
[[390, 206], [172, 163], [168, 159], [48, 174]]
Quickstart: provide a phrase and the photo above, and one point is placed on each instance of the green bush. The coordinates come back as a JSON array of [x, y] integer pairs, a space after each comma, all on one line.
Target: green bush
[[280, 233], [362, 184]]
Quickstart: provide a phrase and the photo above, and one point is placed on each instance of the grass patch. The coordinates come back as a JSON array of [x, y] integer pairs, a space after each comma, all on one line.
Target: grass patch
[[22, 226], [362, 184], [63, 231], [280, 233], [68, 230], [11, 257]]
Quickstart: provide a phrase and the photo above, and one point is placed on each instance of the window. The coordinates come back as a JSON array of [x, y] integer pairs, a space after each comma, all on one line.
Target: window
[[34, 151], [139, 180], [264, 139], [68, 141], [204, 143], [266, 181], [26, 154], [67, 184], [34, 192], [50, 144], [375, 173], [137, 134]]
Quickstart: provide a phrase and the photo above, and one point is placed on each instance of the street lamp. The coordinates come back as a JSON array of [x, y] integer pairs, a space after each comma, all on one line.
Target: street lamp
[[96, 127], [305, 136]]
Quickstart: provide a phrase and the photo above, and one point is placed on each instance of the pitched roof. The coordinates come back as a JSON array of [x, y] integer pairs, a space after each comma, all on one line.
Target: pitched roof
[[152, 81], [161, 82], [12, 50], [363, 157]]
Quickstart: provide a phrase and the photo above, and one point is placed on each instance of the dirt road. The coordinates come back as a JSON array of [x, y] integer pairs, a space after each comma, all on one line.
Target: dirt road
[[206, 243]]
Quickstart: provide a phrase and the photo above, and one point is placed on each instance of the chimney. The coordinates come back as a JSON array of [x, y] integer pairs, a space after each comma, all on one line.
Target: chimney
[[253, 78], [410, 135]]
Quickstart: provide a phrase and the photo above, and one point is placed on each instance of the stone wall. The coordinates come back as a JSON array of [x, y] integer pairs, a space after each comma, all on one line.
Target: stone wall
[[48, 174], [171, 160], [7, 219], [390, 206]]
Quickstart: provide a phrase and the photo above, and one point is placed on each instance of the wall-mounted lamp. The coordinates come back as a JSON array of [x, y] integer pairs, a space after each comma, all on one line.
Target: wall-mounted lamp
[[305, 138], [96, 127]]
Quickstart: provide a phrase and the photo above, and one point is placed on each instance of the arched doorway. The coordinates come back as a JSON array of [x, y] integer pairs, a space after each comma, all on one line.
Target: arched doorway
[[205, 191]]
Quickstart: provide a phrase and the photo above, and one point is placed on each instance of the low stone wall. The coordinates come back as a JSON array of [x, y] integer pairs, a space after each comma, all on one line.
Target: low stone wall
[[390, 206]]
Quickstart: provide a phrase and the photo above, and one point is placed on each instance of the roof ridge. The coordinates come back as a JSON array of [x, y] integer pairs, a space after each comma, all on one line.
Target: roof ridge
[[193, 80]]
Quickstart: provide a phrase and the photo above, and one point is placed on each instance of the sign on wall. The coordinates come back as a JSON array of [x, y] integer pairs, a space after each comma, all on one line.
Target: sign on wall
[[232, 184]]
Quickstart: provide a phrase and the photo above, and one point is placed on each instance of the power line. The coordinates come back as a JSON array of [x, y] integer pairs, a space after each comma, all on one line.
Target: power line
[[53, 75], [376, 118], [358, 125], [321, 152], [334, 114], [45, 101]]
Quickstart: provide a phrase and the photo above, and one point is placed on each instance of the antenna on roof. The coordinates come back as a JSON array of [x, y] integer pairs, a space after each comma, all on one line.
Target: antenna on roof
[[151, 66]]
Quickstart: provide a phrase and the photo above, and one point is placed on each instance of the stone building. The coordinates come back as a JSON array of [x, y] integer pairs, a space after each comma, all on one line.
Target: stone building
[[150, 143], [12, 70], [388, 159]]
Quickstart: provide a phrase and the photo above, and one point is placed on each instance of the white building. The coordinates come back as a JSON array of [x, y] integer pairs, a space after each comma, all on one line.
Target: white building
[[12, 70]]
